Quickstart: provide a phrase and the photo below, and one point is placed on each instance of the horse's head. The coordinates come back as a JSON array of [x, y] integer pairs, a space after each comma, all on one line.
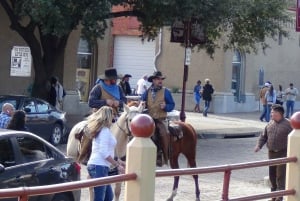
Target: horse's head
[[121, 129]]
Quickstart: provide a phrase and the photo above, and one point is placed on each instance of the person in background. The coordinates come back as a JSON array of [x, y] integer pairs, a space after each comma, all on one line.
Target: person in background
[[56, 93], [271, 99], [263, 101], [103, 149], [197, 96], [107, 92], [18, 121], [275, 135], [207, 91], [159, 101], [6, 114], [280, 95], [124, 84], [141, 85], [291, 94]]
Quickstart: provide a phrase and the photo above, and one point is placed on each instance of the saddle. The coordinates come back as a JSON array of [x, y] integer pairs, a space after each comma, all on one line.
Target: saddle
[[175, 131]]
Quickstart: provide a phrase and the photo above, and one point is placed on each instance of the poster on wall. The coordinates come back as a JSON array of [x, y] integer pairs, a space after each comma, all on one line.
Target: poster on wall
[[20, 61]]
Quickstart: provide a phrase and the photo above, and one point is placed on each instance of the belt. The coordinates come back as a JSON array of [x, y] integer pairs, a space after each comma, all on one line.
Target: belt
[[276, 150]]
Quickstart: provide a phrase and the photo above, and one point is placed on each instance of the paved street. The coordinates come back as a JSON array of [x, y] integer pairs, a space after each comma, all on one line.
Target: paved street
[[212, 152]]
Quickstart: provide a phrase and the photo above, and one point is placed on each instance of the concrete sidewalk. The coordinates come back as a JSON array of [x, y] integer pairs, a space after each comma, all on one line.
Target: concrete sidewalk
[[214, 125], [226, 125]]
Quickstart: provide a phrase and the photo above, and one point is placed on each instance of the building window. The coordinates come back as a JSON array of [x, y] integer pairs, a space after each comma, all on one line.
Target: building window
[[236, 81], [84, 54], [84, 69]]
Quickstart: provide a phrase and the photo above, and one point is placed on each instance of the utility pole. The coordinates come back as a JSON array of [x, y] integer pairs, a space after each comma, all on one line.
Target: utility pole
[[187, 60]]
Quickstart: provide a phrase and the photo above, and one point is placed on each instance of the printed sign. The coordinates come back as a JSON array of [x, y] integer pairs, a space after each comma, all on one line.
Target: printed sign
[[20, 61]]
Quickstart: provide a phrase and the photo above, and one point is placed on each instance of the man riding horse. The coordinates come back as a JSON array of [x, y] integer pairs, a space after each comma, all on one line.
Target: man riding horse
[[159, 101], [106, 92]]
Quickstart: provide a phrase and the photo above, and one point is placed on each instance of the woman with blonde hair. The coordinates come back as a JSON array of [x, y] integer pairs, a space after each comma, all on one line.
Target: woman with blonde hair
[[103, 147]]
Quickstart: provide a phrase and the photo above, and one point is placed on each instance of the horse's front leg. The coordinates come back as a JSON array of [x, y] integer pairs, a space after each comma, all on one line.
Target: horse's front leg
[[117, 191]]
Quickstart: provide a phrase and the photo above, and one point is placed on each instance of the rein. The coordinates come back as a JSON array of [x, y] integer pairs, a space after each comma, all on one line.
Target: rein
[[128, 132]]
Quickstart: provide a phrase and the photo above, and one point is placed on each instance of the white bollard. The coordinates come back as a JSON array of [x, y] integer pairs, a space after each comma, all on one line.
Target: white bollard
[[141, 159], [293, 169]]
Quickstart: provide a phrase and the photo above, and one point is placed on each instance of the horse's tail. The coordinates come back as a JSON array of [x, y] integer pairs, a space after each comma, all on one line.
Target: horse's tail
[[73, 143]]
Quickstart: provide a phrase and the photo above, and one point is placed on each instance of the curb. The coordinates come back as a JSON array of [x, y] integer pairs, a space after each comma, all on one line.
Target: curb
[[228, 133]]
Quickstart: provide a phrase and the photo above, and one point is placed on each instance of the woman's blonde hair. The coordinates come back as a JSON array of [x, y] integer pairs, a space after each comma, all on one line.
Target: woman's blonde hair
[[99, 119]]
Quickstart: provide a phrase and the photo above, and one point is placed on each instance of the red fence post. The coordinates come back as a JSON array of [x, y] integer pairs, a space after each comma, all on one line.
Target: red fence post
[[226, 182]]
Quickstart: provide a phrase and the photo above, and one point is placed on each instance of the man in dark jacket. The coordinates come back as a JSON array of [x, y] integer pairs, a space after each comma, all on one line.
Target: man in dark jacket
[[207, 92], [275, 136], [107, 92]]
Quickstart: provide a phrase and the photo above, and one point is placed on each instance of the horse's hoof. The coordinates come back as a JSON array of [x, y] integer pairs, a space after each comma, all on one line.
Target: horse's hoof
[[169, 199], [197, 199]]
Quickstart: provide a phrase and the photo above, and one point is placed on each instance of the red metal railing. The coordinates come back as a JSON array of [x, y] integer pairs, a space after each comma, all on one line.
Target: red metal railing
[[24, 192], [227, 172]]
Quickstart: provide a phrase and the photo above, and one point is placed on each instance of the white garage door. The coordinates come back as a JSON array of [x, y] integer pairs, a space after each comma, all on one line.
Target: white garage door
[[132, 56]]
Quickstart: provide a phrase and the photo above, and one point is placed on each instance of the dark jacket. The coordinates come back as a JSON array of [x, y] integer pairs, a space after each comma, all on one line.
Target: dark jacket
[[208, 90]]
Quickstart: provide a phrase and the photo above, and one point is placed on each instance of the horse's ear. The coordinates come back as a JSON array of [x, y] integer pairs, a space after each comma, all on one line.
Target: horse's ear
[[141, 106], [126, 108]]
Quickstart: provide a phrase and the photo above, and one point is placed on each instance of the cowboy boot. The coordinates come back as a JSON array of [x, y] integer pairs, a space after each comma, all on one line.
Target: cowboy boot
[[165, 147]]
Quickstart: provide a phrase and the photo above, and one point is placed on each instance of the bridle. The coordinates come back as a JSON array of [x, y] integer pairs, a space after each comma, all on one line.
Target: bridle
[[127, 130]]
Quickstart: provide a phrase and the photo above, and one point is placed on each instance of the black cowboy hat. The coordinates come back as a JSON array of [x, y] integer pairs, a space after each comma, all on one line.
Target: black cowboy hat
[[109, 74], [127, 75], [156, 74]]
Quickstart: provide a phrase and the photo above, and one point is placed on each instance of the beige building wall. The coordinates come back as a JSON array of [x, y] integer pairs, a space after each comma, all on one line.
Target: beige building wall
[[8, 39], [280, 64]]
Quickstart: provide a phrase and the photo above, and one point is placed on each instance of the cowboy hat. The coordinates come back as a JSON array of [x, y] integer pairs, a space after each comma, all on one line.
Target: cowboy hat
[[109, 74], [156, 74], [127, 75]]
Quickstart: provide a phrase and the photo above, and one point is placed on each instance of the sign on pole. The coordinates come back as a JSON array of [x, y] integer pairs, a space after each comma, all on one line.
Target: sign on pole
[[20, 61], [196, 36]]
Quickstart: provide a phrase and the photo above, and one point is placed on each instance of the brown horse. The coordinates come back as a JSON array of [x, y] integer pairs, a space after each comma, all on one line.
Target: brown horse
[[183, 140]]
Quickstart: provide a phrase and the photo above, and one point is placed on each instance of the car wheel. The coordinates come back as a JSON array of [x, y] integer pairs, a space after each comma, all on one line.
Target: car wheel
[[61, 197], [56, 135]]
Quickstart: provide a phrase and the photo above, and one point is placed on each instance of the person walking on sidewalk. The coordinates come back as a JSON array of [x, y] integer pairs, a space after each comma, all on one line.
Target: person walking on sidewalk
[[197, 96], [291, 94], [207, 92], [263, 101], [271, 99], [275, 135], [159, 101]]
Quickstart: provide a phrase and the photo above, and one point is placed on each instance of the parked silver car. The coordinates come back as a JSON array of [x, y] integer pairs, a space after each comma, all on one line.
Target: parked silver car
[[42, 118]]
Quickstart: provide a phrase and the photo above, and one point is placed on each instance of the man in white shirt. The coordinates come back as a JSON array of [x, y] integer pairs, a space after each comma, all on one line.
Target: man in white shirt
[[142, 85], [291, 94]]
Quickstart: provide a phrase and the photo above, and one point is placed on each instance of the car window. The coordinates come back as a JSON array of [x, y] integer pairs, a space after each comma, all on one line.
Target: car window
[[7, 157], [42, 107], [11, 101], [29, 106], [32, 149]]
